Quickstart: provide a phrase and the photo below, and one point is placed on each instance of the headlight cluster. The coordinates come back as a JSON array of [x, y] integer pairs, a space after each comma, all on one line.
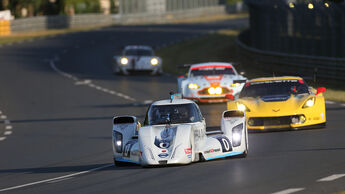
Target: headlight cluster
[[309, 103], [124, 61], [242, 107], [193, 86], [154, 61], [213, 91], [237, 135], [235, 84], [118, 141]]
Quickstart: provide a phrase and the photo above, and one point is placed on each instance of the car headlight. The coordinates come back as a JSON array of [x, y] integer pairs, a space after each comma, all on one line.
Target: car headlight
[[309, 103], [213, 91], [193, 86], [118, 141], [154, 61], [237, 135], [124, 61], [242, 107], [235, 84]]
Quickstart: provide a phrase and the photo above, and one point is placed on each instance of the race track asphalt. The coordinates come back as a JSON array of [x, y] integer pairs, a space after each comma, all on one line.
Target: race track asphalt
[[57, 99]]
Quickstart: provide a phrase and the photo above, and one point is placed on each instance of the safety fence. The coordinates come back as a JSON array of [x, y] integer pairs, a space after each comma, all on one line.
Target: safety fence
[[83, 20], [328, 69], [306, 38]]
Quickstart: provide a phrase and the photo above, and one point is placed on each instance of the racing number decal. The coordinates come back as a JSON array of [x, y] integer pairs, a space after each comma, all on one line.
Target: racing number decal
[[225, 142], [127, 149]]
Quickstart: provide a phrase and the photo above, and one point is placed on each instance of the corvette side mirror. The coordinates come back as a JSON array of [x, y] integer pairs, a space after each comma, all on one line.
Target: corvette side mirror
[[229, 97], [320, 90]]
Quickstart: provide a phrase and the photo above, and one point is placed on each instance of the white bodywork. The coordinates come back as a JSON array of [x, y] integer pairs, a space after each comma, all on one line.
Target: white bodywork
[[137, 62], [225, 81], [179, 143]]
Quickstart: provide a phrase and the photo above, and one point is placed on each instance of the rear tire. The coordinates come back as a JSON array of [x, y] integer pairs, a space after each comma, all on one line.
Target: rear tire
[[118, 163]]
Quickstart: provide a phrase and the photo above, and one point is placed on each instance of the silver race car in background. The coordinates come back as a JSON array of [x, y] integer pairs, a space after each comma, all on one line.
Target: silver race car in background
[[174, 132], [210, 82], [137, 58]]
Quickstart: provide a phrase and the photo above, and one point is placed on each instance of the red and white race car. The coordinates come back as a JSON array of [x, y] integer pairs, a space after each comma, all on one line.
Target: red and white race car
[[210, 82]]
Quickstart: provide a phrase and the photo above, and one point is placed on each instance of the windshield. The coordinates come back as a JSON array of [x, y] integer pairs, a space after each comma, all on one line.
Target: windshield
[[138, 52], [212, 71], [181, 113], [271, 88]]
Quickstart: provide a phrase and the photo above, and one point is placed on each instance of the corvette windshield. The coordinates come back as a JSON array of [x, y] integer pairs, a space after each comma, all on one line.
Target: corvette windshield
[[212, 71], [271, 88], [138, 52], [181, 113]]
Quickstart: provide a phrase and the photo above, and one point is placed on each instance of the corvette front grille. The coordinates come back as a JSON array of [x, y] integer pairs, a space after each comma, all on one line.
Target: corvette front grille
[[269, 121]]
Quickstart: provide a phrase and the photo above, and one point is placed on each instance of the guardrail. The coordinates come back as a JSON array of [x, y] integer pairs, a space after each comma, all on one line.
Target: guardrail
[[325, 68], [83, 20]]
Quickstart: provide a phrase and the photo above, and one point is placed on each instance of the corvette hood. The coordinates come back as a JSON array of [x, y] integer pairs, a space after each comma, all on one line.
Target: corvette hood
[[278, 105]]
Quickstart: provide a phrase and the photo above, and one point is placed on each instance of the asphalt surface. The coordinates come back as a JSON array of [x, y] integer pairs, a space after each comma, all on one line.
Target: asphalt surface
[[57, 99]]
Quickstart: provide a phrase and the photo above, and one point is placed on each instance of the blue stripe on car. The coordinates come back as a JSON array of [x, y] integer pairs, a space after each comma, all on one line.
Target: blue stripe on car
[[225, 155]]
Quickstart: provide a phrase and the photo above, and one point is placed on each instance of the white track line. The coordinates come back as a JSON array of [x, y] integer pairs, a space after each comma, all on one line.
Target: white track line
[[329, 102], [7, 132], [87, 82], [57, 178], [8, 127], [342, 105], [3, 117], [288, 191], [2, 138], [331, 178]]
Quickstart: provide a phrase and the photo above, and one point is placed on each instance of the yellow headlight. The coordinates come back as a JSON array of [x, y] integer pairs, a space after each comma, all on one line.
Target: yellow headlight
[[235, 84], [193, 86], [242, 107], [124, 61], [213, 91], [154, 61], [310, 102]]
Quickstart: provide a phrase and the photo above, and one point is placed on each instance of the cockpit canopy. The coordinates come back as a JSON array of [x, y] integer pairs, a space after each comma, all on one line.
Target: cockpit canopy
[[172, 114]]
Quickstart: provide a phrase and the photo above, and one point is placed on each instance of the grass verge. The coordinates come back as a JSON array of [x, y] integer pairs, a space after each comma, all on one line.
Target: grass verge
[[221, 47], [18, 37]]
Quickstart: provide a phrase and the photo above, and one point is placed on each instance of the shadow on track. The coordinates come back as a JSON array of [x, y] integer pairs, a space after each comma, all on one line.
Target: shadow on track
[[61, 119], [68, 169]]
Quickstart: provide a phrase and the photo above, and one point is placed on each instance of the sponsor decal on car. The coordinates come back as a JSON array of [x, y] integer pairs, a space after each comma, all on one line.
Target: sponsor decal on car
[[212, 151], [163, 155], [188, 150]]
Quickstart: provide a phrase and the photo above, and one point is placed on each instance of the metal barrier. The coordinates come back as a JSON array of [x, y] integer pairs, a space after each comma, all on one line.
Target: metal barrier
[[325, 68], [306, 38], [312, 27], [131, 11]]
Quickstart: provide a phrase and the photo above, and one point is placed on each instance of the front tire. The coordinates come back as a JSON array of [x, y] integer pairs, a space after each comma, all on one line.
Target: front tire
[[118, 163]]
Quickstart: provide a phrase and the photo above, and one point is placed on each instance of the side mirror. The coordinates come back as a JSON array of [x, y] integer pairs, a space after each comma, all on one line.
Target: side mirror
[[320, 90], [138, 127], [229, 97]]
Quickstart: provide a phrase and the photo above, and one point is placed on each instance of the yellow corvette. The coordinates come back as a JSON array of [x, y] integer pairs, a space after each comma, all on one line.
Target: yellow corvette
[[280, 103]]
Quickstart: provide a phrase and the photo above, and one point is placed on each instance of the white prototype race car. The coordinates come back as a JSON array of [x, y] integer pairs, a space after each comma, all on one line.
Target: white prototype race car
[[137, 58], [174, 132], [210, 82]]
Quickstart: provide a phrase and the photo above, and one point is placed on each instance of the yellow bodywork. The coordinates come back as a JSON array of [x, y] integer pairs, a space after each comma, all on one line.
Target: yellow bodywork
[[257, 108]]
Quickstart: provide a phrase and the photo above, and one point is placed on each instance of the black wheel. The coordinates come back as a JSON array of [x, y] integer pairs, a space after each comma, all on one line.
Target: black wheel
[[119, 164]]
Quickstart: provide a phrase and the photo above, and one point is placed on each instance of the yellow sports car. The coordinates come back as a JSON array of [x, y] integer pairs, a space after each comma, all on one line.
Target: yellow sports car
[[280, 103]]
